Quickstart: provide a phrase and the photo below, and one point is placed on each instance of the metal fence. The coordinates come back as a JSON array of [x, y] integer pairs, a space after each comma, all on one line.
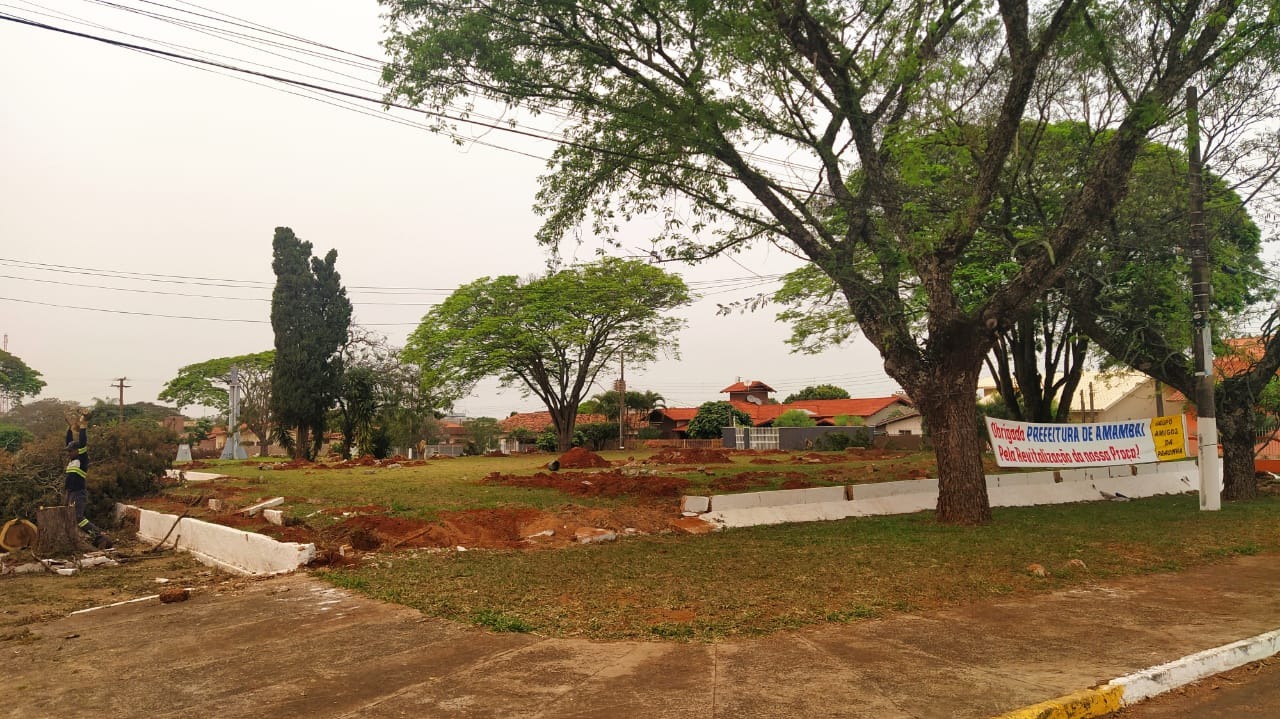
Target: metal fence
[[792, 438]]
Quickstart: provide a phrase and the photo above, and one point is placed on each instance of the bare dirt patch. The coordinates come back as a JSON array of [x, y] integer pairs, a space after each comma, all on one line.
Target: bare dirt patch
[[495, 528], [691, 456], [597, 484], [744, 481]]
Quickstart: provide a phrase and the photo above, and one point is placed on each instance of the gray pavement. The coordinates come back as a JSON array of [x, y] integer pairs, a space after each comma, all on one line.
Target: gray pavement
[[293, 647]]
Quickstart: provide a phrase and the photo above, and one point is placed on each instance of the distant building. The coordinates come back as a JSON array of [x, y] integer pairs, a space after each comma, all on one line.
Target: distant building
[[753, 398]]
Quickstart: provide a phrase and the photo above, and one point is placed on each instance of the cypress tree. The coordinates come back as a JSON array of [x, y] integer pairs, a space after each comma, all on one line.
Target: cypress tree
[[310, 315]]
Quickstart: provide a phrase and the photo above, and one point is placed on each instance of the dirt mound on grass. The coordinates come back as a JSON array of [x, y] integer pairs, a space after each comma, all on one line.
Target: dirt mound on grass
[[492, 528], [692, 456], [744, 481], [597, 484], [579, 458]]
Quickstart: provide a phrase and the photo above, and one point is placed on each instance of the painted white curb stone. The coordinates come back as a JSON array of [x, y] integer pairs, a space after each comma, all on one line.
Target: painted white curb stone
[[1180, 672]]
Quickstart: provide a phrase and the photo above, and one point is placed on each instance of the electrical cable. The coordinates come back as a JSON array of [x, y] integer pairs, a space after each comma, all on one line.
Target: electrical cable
[[538, 135]]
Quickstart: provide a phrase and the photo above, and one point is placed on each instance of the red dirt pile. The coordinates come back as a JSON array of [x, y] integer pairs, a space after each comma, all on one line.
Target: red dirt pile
[[579, 458]]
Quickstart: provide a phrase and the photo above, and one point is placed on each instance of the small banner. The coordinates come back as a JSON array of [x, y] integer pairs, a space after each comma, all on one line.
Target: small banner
[[1170, 436], [1136, 441]]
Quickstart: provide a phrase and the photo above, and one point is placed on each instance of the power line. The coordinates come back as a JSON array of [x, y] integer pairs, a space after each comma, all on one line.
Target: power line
[[263, 284], [186, 294], [180, 317], [382, 102]]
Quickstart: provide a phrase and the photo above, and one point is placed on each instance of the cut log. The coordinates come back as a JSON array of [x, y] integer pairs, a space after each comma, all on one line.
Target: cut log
[[58, 534]]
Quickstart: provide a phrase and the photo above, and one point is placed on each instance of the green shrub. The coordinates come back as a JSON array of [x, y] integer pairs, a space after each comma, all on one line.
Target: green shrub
[[649, 433], [547, 441], [712, 417], [795, 418], [840, 441], [596, 435], [125, 462], [32, 477], [12, 437]]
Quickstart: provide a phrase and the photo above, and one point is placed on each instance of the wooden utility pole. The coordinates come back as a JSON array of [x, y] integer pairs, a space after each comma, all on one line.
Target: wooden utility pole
[[120, 384], [1206, 419]]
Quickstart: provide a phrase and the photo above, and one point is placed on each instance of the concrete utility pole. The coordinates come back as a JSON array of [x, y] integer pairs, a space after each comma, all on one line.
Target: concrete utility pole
[[1202, 338], [120, 384], [232, 449], [621, 387]]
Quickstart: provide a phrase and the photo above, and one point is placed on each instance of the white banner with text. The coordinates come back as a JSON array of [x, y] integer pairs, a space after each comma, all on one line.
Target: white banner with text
[[1134, 441]]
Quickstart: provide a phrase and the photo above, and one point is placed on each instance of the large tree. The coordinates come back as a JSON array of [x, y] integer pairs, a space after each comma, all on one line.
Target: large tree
[[206, 384], [17, 380], [669, 98], [550, 336], [310, 314], [1133, 298], [1131, 269]]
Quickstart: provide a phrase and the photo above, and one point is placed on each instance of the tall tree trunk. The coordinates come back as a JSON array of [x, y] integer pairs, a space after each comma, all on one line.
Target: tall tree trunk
[[945, 391], [564, 419], [301, 442], [1235, 436], [947, 406]]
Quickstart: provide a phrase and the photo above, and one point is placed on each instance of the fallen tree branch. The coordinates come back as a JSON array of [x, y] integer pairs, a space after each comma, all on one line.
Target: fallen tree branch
[[174, 526]]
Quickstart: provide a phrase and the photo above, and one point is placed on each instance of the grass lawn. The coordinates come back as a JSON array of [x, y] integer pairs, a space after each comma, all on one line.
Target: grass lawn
[[752, 581]]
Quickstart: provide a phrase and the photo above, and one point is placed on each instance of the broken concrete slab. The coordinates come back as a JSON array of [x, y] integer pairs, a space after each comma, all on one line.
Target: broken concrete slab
[[695, 504], [253, 510], [274, 516], [589, 535]]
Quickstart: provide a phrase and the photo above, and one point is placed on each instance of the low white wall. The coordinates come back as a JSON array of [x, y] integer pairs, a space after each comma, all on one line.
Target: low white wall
[[1021, 489], [230, 549]]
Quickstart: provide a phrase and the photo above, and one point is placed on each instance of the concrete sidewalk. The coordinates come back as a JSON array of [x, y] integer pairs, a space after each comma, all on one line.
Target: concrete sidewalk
[[292, 647]]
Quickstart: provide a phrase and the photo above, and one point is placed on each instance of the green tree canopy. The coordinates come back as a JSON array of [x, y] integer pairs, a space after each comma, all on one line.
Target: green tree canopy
[[43, 418], [820, 391], [606, 403], [12, 437], [1131, 271], [107, 411], [206, 384], [682, 110], [17, 380], [310, 316], [551, 335], [712, 417]]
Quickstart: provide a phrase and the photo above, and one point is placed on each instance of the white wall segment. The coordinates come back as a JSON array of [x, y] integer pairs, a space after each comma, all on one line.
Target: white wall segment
[[1020, 489], [230, 549]]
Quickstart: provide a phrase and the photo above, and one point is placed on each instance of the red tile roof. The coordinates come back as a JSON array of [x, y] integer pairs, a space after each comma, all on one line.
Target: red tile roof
[[822, 410], [754, 386], [541, 421]]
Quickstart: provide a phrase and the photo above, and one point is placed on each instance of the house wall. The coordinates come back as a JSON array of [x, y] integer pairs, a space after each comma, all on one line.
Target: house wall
[[907, 425], [1139, 403]]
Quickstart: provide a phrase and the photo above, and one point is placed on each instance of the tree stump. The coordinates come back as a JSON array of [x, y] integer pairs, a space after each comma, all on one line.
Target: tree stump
[[58, 533]]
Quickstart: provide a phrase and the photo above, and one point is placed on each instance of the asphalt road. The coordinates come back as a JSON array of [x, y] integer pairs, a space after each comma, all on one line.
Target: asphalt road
[[1250, 691]]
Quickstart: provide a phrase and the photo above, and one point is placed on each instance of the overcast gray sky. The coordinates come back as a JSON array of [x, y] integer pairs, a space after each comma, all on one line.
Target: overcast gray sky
[[115, 162]]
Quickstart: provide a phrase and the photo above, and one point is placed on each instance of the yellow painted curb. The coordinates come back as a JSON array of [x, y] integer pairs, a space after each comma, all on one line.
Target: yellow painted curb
[[1084, 704]]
